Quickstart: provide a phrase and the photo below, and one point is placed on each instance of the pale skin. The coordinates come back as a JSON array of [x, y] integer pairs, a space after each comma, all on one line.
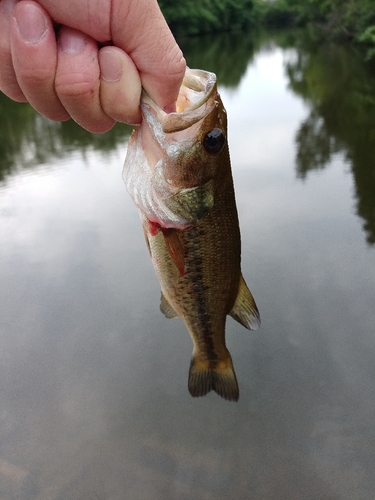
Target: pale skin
[[88, 59]]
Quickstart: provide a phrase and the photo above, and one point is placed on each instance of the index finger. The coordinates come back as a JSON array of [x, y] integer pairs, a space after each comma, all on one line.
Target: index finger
[[146, 37]]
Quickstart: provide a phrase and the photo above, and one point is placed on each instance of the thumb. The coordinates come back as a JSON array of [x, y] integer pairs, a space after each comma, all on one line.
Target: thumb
[[139, 28]]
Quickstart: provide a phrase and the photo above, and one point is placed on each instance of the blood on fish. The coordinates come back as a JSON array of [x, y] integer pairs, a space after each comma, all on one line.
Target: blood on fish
[[154, 228]]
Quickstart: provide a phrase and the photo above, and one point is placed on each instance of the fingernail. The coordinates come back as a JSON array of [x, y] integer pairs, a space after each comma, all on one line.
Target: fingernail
[[32, 25], [111, 68], [72, 41]]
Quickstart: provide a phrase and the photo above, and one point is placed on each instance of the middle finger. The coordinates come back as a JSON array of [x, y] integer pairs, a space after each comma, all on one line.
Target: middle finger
[[77, 80]]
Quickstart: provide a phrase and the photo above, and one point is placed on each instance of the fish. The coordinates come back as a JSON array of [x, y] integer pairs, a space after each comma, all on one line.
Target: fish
[[177, 171]]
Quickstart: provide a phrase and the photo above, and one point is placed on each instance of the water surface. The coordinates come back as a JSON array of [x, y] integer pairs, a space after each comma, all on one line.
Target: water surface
[[93, 378]]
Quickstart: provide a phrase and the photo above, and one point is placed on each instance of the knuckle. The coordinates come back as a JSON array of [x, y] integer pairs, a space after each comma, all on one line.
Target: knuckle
[[177, 63], [76, 89], [32, 78]]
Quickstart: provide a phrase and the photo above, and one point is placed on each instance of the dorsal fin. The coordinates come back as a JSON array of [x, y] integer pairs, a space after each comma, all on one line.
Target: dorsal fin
[[245, 310], [166, 308]]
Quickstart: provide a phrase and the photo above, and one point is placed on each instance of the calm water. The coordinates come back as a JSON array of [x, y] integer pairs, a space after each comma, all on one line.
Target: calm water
[[93, 379]]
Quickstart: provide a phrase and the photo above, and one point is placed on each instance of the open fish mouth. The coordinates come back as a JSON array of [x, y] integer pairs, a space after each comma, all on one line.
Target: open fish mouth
[[194, 102]]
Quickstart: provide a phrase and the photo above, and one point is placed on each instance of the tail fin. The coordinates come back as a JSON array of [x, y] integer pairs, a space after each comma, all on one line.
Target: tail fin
[[220, 379]]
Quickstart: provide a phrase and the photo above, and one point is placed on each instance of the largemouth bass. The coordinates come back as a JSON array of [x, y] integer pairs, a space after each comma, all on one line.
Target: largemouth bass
[[177, 171]]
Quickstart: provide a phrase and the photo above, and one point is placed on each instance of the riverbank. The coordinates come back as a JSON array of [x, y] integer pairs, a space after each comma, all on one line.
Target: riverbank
[[339, 19]]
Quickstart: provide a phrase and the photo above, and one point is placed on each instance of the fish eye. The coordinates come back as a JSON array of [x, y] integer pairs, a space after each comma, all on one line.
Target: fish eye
[[213, 141]]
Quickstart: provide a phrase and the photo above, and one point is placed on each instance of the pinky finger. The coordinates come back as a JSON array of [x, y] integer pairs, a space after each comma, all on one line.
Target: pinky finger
[[120, 86]]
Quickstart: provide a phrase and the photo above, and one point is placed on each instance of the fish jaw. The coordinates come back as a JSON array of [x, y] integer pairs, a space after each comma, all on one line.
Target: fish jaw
[[167, 172]]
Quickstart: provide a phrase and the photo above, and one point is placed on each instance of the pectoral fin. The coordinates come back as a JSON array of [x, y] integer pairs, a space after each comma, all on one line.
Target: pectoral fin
[[175, 248], [147, 240], [245, 310], [166, 308]]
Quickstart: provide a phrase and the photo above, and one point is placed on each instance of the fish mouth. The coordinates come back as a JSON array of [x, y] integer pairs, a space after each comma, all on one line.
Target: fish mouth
[[195, 100]]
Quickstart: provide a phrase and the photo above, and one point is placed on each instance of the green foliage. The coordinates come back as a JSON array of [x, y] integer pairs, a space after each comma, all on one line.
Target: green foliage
[[368, 37], [226, 54], [350, 19], [275, 13], [192, 17]]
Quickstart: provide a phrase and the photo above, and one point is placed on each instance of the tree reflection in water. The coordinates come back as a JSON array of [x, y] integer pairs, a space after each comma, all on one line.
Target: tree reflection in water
[[28, 140], [333, 80], [339, 89]]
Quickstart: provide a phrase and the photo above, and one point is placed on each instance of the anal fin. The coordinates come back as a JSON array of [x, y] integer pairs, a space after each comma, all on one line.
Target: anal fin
[[245, 310]]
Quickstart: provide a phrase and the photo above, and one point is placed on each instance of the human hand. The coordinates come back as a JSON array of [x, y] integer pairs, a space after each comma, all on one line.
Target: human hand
[[88, 59]]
